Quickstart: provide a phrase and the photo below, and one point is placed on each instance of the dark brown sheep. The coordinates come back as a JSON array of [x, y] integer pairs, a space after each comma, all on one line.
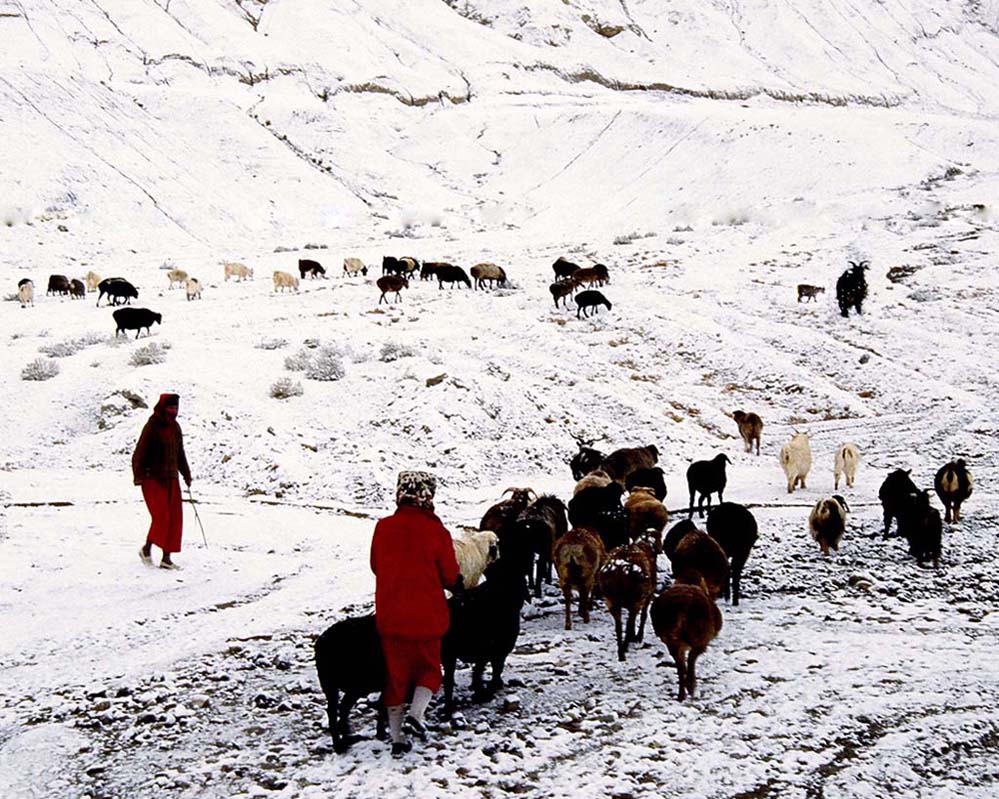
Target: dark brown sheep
[[578, 556], [628, 582], [622, 462], [750, 428], [686, 619], [700, 560], [387, 283]]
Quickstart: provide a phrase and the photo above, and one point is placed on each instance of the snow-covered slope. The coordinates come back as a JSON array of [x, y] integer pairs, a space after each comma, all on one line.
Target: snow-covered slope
[[713, 155]]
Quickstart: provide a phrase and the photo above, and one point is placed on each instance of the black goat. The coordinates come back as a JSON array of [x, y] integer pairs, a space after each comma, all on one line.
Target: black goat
[[135, 319], [706, 478], [58, 284], [851, 288], [485, 625], [590, 299], [448, 273], [313, 268], [117, 288], [350, 664], [734, 527], [392, 266], [76, 289], [538, 527], [585, 461], [920, 525], [599, 508], [897, 493], [563, 269], [653, 478]]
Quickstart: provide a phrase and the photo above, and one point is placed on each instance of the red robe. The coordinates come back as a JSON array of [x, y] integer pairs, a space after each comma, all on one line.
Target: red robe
[[412, 556], [158, 457]]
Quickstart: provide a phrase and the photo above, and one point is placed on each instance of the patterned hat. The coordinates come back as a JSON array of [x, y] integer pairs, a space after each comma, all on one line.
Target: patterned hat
[[416, 488]]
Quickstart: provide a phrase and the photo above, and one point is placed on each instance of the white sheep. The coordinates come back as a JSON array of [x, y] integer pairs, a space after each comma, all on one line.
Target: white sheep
[[847, 458], [92, 279], [178, 276], [193, 287], [796, 460], [284, 280], [827, 522], [474, 551], [26, 293], [598, 477], [234, 269], [354, 266]]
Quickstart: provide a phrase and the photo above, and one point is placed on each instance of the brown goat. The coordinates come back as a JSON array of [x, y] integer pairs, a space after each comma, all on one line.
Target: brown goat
[[686, 619], [562, 290], [595, 274], [578, 556], [628, 581], [622, 462], [387, 283], [750, 428], [646, 514], [700, 560]]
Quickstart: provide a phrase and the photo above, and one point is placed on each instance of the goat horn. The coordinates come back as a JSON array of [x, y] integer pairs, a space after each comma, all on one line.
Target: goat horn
[[509, 491], [531, 492]]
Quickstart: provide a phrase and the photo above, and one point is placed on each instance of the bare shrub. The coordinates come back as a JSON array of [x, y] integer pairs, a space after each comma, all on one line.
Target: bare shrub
[[271, 343], [393, 351], [148, 355], [40, 369], [325, 365], [285, 388]]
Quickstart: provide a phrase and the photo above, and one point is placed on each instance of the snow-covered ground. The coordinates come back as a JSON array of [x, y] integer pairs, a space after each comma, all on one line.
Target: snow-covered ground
[[713, 155]]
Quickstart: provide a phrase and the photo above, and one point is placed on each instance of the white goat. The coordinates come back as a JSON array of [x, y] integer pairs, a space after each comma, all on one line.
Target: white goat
[[796, 460], [598, 477], [354, 266], [92, 279], [847, 458], [26, 293], [284, 280], [193, 287], [474, 551], [233, 269]]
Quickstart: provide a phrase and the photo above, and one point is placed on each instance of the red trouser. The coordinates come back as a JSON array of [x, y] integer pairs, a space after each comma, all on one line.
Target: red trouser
[[163, 502], [409, 664]]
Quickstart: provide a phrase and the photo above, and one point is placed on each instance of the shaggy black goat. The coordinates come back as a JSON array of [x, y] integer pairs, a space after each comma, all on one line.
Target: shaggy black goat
[[920, 525], [58, 284], [599, 508], [851, 288], [590, 299], [117, 288], [706, 478], [586, 460], [563, 269], [622, 462], [76, 289], [485, 625], [313, 268], [135, 319], [653, 478], [897, 492], [734, 527], [447, 273], [392, 266], [538, 527], [350, 664]]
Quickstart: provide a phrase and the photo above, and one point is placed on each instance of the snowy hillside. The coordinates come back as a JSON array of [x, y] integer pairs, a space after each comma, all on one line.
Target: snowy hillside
[[714, 155]]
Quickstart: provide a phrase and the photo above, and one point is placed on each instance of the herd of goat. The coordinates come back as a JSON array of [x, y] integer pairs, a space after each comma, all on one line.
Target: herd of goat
[[571, 281], [604, 543]]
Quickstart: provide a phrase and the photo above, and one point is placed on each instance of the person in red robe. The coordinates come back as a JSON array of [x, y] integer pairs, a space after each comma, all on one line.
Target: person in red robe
[[158, 457], [412, 556]]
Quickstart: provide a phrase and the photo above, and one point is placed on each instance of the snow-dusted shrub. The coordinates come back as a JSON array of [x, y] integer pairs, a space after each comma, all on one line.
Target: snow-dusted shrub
[[61, 349], [325, 365], [148, 355], [271, 343], [40, 369], [297, 362], [285, 388], [393, 351]]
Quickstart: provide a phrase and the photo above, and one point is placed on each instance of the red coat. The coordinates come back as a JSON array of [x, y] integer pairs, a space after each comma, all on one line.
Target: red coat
[[412, 557]]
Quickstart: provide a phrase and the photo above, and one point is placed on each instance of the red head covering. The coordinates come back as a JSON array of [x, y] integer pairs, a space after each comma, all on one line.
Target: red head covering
[[166, 401]]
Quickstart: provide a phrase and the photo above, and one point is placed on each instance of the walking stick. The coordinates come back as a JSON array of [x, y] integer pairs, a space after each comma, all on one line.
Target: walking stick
[[197, 516]]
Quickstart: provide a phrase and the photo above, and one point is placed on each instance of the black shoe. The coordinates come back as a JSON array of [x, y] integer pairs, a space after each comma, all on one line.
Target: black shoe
[[401, 748], [415, 727]]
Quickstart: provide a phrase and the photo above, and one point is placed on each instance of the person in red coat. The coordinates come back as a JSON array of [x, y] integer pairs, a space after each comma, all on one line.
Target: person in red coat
[[158, 457], [412, 556]]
